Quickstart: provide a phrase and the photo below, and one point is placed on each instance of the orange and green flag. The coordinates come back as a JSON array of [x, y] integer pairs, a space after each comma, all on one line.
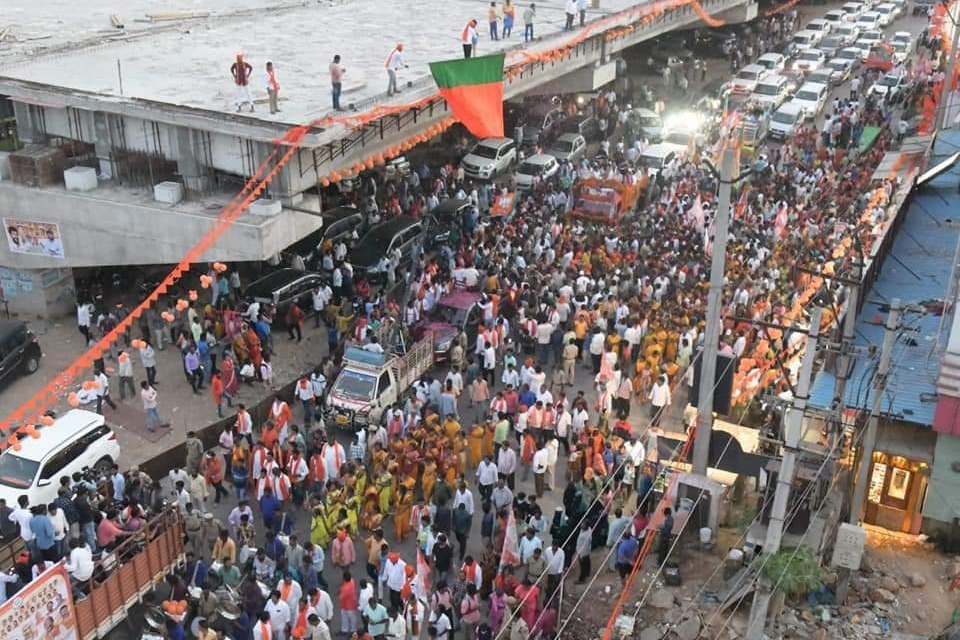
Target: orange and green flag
[[473, 87]]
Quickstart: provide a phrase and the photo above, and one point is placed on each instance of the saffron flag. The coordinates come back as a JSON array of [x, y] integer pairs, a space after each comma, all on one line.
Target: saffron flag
[[510, 554], [421, 585], [473, 87]]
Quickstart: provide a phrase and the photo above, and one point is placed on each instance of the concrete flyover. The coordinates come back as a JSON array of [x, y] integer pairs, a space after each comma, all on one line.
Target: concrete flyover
[[211, 149]]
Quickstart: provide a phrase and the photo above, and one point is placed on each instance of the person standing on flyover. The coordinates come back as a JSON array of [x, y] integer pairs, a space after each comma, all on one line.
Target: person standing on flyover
[[336, 81], [394, 63], [469, 38], [273, 88], [241, 70], [529, 14]]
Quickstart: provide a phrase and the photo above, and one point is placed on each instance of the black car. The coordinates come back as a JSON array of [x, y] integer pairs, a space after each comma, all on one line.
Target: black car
[[587, 126], [284, 286], [338, 223], [403, 232], [19, 349]]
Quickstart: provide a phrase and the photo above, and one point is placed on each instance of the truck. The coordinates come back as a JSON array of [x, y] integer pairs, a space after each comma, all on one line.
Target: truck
[[370, 382]]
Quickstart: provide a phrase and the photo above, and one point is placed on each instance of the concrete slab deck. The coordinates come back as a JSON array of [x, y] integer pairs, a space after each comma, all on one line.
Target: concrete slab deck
[[189, 65]]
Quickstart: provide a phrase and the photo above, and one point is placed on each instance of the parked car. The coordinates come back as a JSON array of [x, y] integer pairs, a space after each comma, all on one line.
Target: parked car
[[773, 62], [835, 17], [889, 85], [863, 47], [901, 37], [869, 20], [852, 54], [541, 166], [811, 97], [282, 288], [657, 157], [747, 78], [649, 124], [803, 40], [489, 157], [873, 36], [77, 440], [402, 233], [772, 91], [455, 312], [853, 9], [823, 75], [819, 26], [540, 120], [923, 7], [849, 32], [586, 126], [785, 120], [900, 51], [19, 350], [831, 44], [839, 70], [809, 60], [569, 146], [887, 12], [339, 223]]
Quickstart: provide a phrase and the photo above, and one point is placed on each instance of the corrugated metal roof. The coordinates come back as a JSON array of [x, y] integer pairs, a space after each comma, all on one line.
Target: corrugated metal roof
[[917, 271]]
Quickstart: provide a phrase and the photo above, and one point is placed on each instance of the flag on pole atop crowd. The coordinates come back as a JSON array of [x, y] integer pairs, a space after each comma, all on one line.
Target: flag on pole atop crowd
[[510, 555], [473, 87], [421, 586]]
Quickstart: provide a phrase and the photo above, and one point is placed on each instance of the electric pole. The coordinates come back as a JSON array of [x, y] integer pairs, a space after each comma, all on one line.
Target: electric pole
[[870, 437], [711, 333], [792, 431]]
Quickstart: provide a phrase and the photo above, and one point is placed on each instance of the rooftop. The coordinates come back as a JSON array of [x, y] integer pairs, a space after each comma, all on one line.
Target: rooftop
[[917, 272], [187, 62]]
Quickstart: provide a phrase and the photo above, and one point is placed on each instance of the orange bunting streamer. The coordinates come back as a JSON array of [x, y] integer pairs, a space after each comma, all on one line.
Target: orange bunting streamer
[[285, 147], [73, 399], [47, 421]]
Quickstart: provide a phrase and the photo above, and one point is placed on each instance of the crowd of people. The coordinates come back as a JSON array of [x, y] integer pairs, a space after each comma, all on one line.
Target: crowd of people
[[376, 538]]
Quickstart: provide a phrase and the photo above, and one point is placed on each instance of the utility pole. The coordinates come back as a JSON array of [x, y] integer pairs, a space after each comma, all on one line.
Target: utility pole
[[792, 432], [711, 335], [953, 21], [870, 437]]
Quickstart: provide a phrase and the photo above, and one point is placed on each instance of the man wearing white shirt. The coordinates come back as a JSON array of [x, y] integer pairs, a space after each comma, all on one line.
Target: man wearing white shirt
[[555, 558], [322, 604], [528, 543], [394, 577], [22, 516], [540, 459], [80, 563], [279, 612], [487, 475], [507, 464], [463, 496]]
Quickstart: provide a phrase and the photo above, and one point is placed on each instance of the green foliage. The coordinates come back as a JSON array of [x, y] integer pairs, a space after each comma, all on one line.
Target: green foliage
[[795, 571]]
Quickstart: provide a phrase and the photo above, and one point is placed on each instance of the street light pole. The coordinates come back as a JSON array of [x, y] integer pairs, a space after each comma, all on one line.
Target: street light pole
[[711, 338], [792, 428]]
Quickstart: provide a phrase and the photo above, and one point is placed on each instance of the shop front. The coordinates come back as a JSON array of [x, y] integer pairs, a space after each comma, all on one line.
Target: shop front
[[899, 475]]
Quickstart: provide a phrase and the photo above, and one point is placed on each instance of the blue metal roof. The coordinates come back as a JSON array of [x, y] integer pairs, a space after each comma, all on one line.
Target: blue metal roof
[[916, 270]]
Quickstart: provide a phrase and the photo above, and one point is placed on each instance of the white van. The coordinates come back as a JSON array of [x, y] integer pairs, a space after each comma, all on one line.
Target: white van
[[869, 20], [811, 97], [784, 120], [541, 165], [77, 440]]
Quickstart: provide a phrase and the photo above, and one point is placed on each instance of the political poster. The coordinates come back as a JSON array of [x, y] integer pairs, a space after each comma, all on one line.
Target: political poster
[[43, 610], [34, 238]]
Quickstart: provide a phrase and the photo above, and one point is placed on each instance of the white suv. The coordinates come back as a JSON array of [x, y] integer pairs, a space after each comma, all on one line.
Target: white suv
[[489, 157], [77, 440]]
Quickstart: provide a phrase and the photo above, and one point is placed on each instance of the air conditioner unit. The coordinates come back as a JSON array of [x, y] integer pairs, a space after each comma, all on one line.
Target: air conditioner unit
[[168, 192], [80, 178]]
